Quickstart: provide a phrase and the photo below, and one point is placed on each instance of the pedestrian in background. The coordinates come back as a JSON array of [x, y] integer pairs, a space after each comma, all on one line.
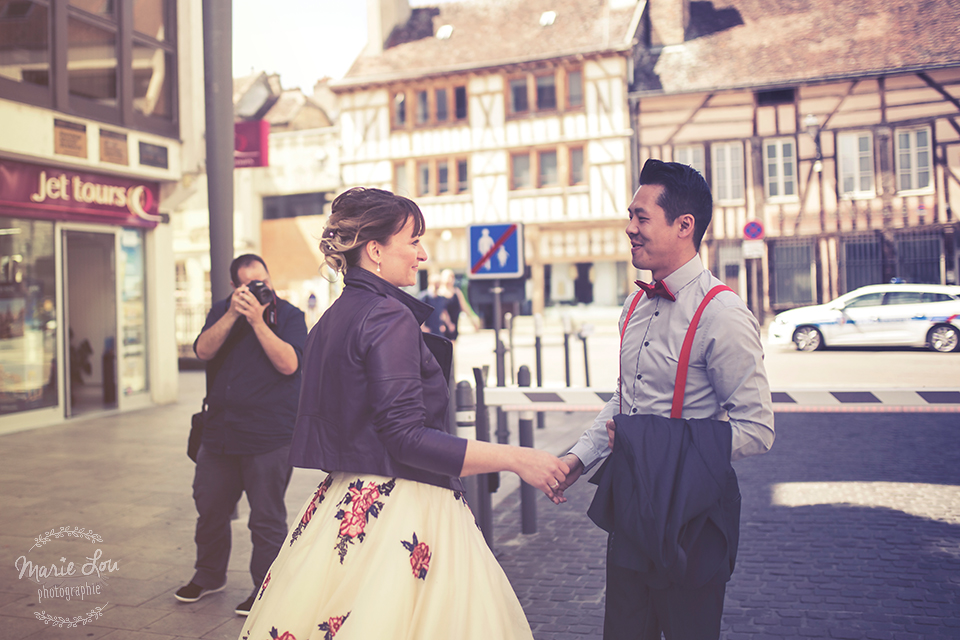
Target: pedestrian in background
[[666, 570], [252, 343], [387, 546]]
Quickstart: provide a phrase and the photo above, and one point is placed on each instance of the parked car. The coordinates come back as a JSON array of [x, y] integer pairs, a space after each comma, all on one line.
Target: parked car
[[919, 315]]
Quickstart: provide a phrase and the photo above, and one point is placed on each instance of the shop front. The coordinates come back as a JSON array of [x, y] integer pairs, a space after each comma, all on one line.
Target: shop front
[[73, 304]]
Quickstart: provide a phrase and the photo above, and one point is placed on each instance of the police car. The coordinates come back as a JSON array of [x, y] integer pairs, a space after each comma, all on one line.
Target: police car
[[919, 315]]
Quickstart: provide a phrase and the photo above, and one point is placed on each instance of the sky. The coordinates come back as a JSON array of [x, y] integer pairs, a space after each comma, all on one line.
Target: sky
[[302, 40]]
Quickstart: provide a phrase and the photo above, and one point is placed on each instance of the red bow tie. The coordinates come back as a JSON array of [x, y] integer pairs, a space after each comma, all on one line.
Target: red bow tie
[[657, 289]]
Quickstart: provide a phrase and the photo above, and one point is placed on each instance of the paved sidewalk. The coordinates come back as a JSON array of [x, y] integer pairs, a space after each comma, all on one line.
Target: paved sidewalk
[[872, 550]]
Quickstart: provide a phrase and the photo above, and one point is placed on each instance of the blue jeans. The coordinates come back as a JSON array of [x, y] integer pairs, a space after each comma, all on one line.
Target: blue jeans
[[217, 485]]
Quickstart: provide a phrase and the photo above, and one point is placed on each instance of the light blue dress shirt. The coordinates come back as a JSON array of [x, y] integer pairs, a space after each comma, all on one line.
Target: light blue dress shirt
[[726, 379]]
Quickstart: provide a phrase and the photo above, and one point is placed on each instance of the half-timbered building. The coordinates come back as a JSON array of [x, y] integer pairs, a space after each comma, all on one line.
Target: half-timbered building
[[514, 110], [834, 125]]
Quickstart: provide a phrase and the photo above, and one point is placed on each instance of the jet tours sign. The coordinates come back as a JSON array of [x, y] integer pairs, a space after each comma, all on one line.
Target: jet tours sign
[[36, 191]]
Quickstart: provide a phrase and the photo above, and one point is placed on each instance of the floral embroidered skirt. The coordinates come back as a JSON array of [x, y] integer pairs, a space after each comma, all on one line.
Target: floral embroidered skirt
[[375, 558]]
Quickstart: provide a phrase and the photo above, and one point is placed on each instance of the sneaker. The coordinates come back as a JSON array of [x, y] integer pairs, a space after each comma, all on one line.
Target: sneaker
[[244, 607], [193, 592]]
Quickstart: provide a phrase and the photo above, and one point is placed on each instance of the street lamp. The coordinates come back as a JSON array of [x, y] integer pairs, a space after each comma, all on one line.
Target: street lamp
[[812, 125]]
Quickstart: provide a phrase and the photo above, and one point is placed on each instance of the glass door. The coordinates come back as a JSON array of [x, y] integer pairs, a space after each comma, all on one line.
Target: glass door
[[90, 318]]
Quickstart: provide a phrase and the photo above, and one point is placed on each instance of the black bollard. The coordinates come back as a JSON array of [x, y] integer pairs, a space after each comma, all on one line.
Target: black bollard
[[467, 428], [538, 347], [585, 330], [528, 493], [485, 481], [567, 330]]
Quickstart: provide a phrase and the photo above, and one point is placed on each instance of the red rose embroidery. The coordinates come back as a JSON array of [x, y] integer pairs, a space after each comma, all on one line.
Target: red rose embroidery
[[366, 499], [332, 625], [263, 588], [419, 557], [352, 524]]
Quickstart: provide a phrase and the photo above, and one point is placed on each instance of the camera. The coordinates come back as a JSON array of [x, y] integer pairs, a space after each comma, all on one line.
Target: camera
[[264, 295], [260, 291]]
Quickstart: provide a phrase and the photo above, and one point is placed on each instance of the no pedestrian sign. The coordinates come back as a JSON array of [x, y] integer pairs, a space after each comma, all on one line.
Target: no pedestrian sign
[[496, 251]]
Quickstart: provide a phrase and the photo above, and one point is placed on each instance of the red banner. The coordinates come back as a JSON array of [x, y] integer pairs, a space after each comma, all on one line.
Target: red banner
[[251, 144], [52, 193]]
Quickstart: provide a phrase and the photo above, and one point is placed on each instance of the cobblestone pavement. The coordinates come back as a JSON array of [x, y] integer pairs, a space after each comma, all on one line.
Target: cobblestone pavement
[[850, 529]]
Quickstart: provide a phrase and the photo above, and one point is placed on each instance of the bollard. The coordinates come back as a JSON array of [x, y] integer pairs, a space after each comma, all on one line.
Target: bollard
[[508, 319], [528, 494], [585, 330], [485, 481], [567, 330], [467, 428], [538, 348]]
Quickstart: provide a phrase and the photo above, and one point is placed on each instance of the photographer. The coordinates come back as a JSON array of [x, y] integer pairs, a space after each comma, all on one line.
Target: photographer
[[252, 343]]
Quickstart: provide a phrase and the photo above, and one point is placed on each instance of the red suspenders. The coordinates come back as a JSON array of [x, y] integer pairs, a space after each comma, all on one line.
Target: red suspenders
[[681, 383]]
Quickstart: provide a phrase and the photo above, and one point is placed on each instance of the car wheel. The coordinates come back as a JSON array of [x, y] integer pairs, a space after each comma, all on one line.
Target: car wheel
[[807, 338], [943, 338]]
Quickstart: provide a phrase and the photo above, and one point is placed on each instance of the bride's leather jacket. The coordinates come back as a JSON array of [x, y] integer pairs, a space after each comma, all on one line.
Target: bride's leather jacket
[[374, 398]]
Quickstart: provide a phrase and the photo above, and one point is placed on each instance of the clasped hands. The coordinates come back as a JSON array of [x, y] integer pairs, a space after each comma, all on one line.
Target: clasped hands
[[575, 468]]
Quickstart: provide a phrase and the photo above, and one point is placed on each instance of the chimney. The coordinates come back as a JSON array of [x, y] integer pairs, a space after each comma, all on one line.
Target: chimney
[[382, 17], [668, 21]]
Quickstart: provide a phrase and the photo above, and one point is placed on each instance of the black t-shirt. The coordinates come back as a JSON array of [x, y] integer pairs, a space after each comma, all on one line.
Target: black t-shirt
[[252, 406]]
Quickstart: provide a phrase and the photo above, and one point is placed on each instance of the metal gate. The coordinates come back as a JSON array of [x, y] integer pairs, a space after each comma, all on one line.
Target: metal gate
[[861, 261], [793, 267], [920, 257]]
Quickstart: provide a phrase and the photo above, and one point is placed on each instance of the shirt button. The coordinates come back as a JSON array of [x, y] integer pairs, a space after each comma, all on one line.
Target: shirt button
[[634, 411], [656, 313], [639, 377], [646, 344]]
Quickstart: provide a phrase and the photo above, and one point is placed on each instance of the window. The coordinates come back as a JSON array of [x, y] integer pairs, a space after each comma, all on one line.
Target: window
[[443, 111], [401, 184], [541, 168], [574, 89], [868, 300], [423, 178], [913, 159], [294, 205], [779, 164], [463, 179], [576, 166], [855, 157], [546, 92], [691, 155], [547, 161], [521, 170], [432, 105], [460, 102], [399, 110], [518, 96], [433, 177], [423, 107], [536, 92], [727, 172], [92, 82], [443, 177]]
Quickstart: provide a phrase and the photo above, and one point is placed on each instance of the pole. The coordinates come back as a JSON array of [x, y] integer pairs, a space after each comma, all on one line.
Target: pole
[[218, 96], [538, 347], [513, 365], [585, 330], [467, 428], [528, 494], [497, 325], [485, 481], [567, 330]]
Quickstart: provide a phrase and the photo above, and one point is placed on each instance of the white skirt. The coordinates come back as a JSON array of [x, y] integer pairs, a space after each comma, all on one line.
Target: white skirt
[[374, 558]]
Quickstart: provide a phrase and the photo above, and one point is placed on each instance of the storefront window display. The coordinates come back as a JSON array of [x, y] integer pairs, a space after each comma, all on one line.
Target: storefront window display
[[133, 355], [28, 316]]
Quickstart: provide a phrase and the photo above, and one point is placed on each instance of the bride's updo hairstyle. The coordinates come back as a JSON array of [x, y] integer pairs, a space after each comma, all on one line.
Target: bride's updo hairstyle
[[360, 215]]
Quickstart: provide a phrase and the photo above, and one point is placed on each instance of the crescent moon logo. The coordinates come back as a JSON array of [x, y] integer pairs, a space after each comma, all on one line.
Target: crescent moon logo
[[138, 200]]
